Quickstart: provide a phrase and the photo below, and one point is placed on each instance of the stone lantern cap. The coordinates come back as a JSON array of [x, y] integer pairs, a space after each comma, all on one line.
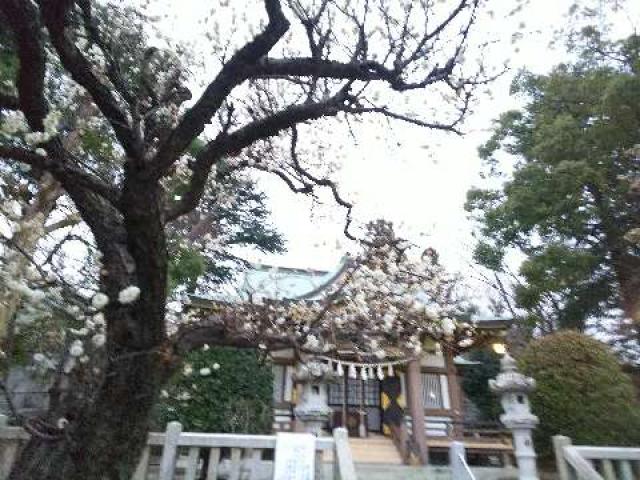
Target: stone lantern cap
[[510, 380]]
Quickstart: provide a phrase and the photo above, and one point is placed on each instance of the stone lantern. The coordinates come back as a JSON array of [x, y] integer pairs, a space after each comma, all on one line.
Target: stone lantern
[[312, 410], [513, 388]]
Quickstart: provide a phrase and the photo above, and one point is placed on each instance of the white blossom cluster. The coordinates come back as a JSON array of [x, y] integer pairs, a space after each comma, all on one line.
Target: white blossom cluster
[[90, 337], [15, 126], [383, 305]]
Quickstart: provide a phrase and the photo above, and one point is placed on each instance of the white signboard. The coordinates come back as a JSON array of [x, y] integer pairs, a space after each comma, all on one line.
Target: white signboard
[[295, 456]]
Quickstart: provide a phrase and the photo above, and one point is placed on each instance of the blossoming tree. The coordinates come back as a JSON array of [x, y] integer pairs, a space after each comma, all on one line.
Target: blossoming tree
[[298, 63]]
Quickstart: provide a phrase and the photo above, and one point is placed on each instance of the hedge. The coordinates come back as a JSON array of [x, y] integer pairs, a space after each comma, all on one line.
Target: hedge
[[581, 392]]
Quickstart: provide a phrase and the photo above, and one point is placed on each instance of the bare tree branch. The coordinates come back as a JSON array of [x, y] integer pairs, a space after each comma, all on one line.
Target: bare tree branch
[[54, 14], [9, 102], [415, 121], [323, 182], [356, 70], [61, 170], [68, 221], [419, 49], [260, 129], [233, 73], [113, 69], [215, 330], [24, 21]]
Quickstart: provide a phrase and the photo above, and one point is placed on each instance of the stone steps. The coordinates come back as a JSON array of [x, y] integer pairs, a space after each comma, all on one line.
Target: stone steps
[[374, 450], [406, 472], [368, 471]]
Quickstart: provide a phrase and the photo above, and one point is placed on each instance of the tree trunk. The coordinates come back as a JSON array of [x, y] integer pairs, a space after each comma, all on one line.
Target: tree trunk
[[26, 238], [108, 415], [625, 263], [627, 268], [105, 440]]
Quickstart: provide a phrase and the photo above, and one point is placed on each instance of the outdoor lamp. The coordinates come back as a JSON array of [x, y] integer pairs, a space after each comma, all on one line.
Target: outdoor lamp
[[499, 348]]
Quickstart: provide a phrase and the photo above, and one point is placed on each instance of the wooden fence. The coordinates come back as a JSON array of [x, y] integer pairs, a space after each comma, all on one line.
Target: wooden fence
[[595, 463], [189, 456]]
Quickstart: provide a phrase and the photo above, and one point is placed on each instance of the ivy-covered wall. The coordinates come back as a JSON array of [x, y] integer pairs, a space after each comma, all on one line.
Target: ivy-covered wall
[[220, 390]]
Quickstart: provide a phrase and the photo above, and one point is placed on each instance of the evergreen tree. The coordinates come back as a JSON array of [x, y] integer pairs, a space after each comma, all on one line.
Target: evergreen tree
[[570, 204]]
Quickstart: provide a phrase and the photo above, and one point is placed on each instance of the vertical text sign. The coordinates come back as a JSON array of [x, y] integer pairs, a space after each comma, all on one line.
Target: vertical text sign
[[295, 456]]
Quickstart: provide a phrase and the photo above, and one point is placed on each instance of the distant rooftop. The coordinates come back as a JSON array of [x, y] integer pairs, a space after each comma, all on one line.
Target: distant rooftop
[[278, 283], [260, 282]]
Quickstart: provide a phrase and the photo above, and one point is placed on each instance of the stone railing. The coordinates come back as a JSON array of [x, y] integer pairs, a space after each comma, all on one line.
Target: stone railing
[[176, 454], [11, 441], [595, 463]]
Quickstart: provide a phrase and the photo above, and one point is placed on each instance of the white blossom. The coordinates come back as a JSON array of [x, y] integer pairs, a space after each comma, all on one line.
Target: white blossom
[[99, 301], [14, 122], [79, 332], [184, 396], [205, 372], [215, 366], [312, 342], [448, 326], [69, 365], [39, 358], [129, 294], [51, 121], [76, 349], [98, 319], [99, 339]]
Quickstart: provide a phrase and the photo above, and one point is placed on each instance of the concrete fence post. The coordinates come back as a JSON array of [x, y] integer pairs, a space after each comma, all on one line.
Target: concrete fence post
[[342, 455], [170, 451], [457, 453], [559, 442]]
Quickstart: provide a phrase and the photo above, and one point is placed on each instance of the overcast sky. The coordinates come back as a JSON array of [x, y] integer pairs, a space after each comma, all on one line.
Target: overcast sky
[[420, 184], [416, 178]]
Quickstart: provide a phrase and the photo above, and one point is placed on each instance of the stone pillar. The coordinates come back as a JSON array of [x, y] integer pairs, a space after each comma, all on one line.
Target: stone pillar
[[513, 388], [458, 460], [312, 411], [415, 402]]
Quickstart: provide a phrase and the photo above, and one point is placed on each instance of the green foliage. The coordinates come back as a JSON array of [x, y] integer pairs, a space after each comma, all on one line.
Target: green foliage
[[186, 266], [568, 202], [235, 397], [581, 392], [475, 382], [8, 61], [233, 213]]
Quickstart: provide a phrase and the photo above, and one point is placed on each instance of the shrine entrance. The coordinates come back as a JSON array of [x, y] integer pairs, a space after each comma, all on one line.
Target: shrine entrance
[[356, 405]]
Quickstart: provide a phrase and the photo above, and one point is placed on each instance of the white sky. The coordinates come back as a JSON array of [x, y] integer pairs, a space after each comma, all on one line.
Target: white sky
[[422, 190]]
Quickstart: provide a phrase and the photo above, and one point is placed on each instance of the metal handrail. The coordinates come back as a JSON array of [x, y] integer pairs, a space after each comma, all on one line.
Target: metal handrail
[[464, 463], [457, 458]]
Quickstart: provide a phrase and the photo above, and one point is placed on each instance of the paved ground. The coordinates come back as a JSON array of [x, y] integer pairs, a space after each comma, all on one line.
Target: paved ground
[[403, 472]]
